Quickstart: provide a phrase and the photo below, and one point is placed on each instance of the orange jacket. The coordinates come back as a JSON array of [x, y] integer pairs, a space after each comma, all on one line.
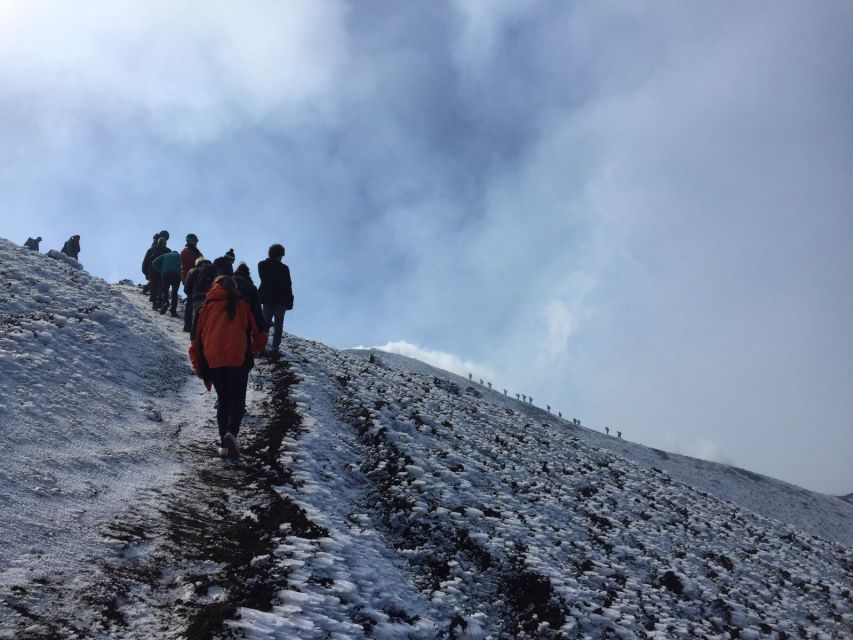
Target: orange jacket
[[223, 342]]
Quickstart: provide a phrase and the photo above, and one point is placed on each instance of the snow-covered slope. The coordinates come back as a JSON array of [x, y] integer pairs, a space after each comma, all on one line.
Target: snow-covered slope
[[374, 500], [81, 371], [830, 517]]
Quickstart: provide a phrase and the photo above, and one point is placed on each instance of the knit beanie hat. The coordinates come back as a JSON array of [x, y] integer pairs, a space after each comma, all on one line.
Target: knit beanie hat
[[230, 255], [164, 234], [191, 237]]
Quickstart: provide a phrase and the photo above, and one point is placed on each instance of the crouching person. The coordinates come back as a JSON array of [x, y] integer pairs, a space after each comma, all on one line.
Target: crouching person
[[222, 353]]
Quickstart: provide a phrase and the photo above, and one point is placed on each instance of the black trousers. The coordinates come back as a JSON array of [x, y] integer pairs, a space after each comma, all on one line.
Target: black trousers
[[173, 281], [230, 384], [155, 285]]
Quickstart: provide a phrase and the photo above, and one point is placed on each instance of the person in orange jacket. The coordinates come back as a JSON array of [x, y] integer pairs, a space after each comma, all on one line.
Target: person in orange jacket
[[226, 339]]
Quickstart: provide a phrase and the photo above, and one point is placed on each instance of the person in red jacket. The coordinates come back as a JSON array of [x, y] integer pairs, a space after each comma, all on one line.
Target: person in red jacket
[[189, 255], [226, 339]]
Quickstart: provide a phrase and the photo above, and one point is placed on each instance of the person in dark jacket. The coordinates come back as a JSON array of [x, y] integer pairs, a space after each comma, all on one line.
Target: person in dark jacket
[[221, 355], [146, 263], [33, 243], [225, 263], [71, 248], [276, 291], [168, 269], [199, 281], [189, 255], [154, 277], [247, 289]]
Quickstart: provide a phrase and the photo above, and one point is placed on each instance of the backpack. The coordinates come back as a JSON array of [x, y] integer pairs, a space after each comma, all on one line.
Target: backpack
[[207, 274]]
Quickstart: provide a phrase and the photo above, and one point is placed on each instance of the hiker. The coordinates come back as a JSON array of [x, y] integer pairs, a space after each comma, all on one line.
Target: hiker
[[225, 263], [154, 278], [222, 353], [146, 263], [199, 281], [33, 243], [71, 248], [168, 268], [189, 254], [247, 289], [276, 291]]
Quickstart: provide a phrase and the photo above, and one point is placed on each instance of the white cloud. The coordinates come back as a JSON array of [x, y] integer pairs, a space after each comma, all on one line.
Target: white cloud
[[440, 359], [191, 71]]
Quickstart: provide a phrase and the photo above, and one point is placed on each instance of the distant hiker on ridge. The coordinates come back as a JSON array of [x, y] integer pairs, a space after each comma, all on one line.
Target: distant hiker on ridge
[[276, 291], [222, 354], [33, 243], [71, 248], [189, 254], [225, 263], [168, 269]]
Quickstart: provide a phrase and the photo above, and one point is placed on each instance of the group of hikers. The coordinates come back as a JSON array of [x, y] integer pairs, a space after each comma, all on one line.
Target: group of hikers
[[227, 317], [71, 248]]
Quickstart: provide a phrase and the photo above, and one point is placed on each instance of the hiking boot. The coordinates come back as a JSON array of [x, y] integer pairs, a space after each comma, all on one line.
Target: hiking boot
[[230, 444], [164, 308], [174, 314]]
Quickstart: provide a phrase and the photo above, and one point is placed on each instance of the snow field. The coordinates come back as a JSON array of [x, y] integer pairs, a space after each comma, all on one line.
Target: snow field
[[509, 523], [78, 425]]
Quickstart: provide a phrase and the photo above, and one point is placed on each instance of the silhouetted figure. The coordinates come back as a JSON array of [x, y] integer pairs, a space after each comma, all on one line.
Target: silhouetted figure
[[189, 254], [619, 434], [155, 284], [276, 292], [199, 281], [247, 289], [71, 248], [33, 243], [225, 264], [607, 430]]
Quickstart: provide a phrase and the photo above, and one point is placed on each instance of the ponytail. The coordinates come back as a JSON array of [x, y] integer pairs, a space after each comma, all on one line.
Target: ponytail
[[230, 287]]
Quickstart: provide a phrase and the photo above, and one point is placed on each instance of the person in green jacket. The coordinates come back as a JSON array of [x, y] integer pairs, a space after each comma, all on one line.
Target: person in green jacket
[[168, 267]]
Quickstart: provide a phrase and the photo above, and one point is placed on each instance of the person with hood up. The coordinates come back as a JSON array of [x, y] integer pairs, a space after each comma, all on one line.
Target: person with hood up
[[276, 291], [222, 354], [189, 254], [168, 270], [33, 243], [199, 281], [247, 289], [71, 248], [225, 263]]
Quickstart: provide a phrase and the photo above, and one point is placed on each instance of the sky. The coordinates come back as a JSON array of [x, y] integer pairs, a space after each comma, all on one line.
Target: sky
[[640, 213]]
